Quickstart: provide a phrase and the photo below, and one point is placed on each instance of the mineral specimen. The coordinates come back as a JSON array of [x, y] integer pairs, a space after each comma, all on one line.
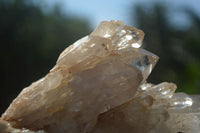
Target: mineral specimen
[[98, 85]]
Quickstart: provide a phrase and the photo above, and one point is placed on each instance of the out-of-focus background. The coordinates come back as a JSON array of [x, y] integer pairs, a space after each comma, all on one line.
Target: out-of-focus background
[[34, 32]]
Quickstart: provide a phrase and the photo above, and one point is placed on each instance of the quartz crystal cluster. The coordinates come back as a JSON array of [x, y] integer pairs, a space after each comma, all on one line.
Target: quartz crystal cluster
[[98, 85]]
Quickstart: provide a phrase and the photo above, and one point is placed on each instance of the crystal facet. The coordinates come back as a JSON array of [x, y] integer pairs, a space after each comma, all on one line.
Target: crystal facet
[[98, 85]]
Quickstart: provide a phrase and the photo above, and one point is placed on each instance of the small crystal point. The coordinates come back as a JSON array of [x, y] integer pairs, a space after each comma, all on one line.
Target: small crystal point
[[145, 62], [121, 35]]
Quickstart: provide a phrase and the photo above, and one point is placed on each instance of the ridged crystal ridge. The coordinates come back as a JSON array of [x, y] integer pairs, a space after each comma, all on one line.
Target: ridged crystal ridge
[[98, 85]]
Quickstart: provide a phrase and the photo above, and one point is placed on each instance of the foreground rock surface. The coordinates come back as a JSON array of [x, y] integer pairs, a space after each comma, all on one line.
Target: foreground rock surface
[[98, 85], [5, 127]]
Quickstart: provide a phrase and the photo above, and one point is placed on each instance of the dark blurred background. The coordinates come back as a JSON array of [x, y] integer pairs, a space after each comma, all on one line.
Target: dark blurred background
[[33, 33]]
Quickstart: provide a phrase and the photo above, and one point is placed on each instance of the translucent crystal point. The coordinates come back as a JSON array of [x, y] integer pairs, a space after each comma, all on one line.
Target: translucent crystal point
[[122, 36], [145, 62]]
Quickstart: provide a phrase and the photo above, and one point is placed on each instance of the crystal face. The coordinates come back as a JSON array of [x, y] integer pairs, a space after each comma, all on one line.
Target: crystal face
[[98, 85]]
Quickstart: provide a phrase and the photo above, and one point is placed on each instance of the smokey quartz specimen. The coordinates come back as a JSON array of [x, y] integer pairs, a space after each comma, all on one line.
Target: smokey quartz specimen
[[98, 85]]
